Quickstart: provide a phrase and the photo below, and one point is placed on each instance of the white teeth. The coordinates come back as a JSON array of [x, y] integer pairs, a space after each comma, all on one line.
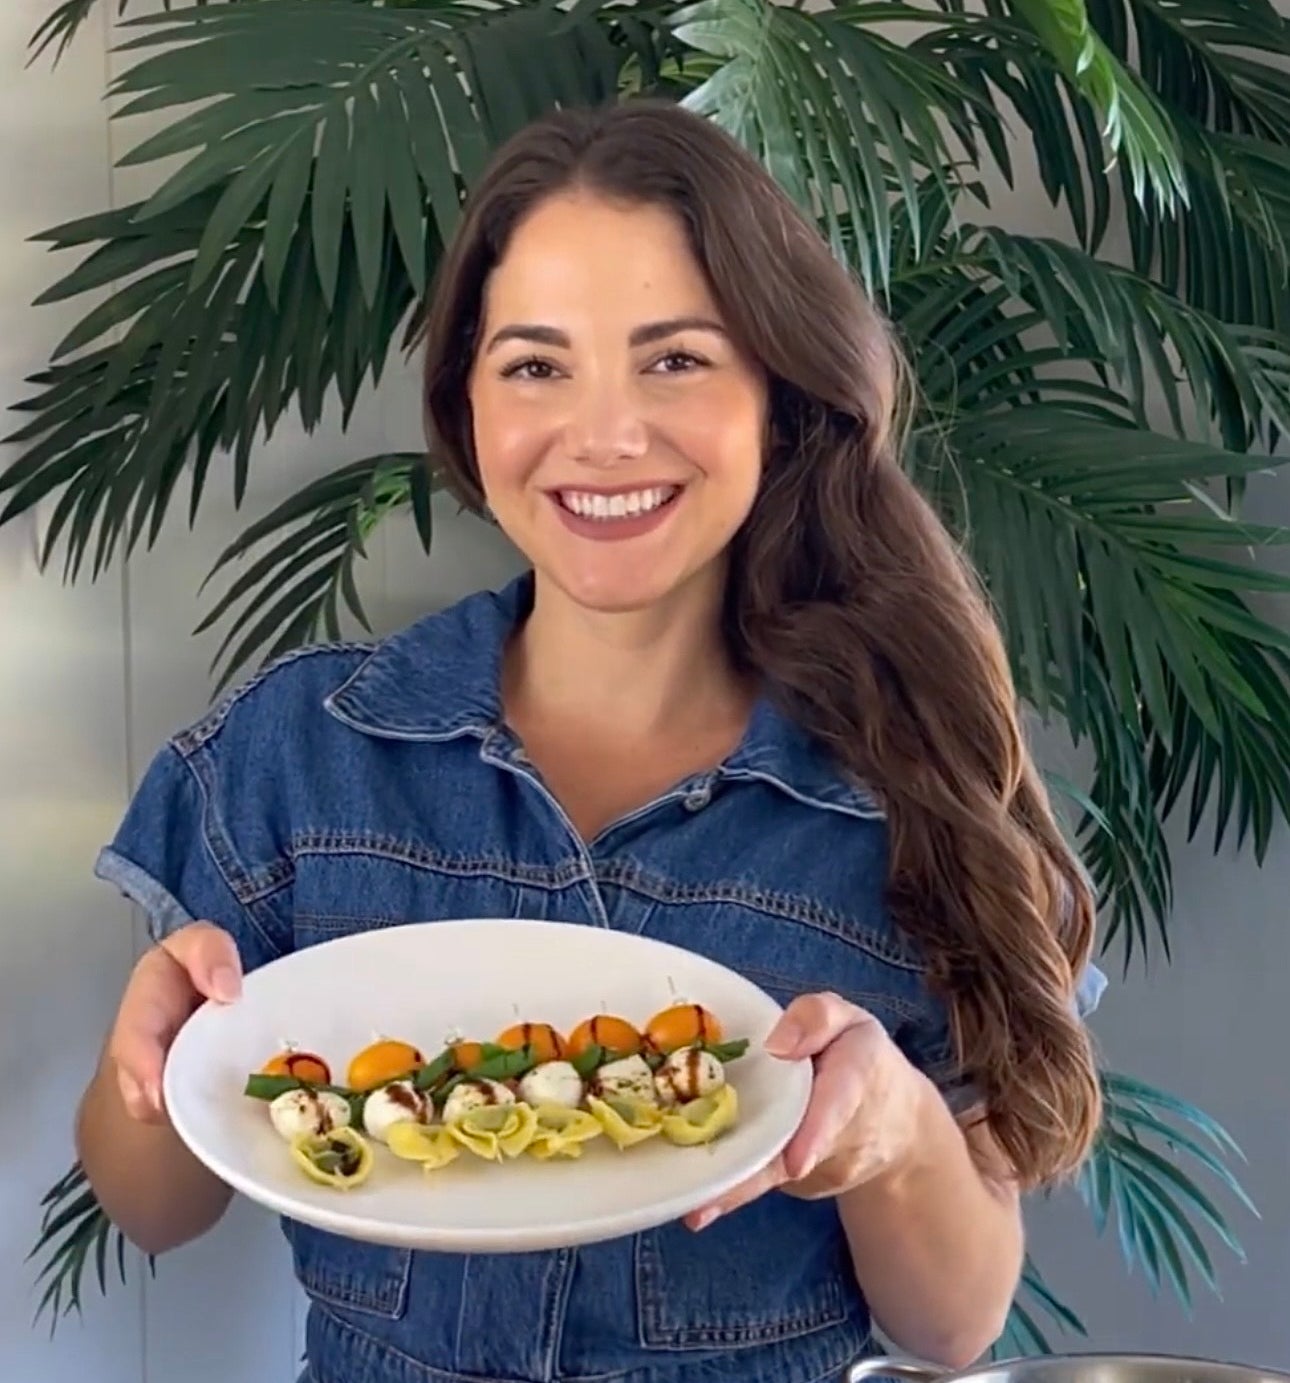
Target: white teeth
[[620, 506]]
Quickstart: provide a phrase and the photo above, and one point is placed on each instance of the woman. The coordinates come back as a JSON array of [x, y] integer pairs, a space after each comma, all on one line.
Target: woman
[[747, 700]]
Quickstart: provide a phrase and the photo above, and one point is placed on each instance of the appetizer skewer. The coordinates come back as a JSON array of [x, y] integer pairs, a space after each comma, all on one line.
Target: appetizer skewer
[[532, 1090]]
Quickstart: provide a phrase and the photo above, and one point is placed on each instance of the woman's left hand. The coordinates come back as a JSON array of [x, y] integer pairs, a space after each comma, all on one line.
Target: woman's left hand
[[863, 1115]]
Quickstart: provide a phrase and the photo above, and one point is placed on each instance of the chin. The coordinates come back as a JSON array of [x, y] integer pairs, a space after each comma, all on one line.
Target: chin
[[621, 591]]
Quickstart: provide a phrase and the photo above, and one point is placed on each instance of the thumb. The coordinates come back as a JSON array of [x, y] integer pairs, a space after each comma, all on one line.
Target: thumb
[[208, 955]]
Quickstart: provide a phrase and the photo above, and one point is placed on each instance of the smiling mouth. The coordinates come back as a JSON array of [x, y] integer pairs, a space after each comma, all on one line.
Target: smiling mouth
[[624, 504]]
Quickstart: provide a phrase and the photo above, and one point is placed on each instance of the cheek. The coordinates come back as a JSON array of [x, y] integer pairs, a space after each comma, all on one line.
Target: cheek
[[725, 435], [509, 442]]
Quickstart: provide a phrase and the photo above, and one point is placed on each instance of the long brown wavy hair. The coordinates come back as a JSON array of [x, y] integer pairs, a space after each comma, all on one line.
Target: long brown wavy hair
[[846, 595]]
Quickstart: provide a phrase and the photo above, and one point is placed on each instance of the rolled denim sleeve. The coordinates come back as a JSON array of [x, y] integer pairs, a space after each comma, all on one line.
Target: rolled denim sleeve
[[172, 856]]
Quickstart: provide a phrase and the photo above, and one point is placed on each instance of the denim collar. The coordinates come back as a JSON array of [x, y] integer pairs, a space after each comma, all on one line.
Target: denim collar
[[440, 678]]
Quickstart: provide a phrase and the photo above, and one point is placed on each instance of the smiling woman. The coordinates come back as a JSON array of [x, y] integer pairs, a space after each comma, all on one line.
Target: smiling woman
[[748, 700]]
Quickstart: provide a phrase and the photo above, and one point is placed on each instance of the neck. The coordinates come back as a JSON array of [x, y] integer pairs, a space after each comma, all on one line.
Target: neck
[[636, 672]]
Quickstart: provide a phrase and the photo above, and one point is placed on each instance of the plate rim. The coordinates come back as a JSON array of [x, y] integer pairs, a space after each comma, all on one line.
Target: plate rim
[[494, 1239]]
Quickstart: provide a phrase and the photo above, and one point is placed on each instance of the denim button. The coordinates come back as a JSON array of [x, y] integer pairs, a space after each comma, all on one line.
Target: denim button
[[698, 798]]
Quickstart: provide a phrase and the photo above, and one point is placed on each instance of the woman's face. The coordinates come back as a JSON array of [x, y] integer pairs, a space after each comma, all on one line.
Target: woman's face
[[618, 431]]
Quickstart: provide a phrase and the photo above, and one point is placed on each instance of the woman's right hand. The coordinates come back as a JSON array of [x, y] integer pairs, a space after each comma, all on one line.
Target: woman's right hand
[[194, 963]]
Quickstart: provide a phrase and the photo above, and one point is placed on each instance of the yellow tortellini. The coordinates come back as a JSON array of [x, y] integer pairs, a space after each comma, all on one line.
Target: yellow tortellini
[[702, 1120], [562, 1131], [429, 1144], [624, 1121], [340, 1158], [497, 1131]]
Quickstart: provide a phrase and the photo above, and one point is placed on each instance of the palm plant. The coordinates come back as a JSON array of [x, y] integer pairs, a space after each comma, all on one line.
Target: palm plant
[[1086, 422]]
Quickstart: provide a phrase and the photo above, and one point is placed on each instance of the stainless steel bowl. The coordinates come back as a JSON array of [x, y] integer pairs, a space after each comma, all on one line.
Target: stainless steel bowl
[[1071, 1368]]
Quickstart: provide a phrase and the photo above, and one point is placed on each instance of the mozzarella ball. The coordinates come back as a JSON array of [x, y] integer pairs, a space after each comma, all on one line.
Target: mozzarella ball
[[475, 1094], [400, 1102], [688, 1074], [553, 1082], [629, 1077], [297, 1112]]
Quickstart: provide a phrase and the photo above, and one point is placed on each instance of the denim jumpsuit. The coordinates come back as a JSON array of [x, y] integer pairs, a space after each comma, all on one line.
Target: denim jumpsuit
[[358, 786]]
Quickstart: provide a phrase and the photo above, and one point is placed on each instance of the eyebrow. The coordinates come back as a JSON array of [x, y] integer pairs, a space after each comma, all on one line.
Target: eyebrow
[[644, 335]]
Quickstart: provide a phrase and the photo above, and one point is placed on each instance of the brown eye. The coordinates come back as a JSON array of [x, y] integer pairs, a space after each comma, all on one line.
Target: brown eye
[[677, 362], [529, 368]]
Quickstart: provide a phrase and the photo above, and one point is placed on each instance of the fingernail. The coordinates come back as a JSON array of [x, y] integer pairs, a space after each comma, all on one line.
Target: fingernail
[[225, 984], [783, 1041], [154, 1096]]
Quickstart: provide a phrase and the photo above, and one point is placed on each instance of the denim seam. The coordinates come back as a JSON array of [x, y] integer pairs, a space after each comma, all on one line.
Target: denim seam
[[630, 877], [433, 1374], [555, 877], [559, 1279], [215, 837], [653, 1333], [627, 876], [387, 1301], [832, 1372], [863, 998], [429, 1371], [869, 811], [195, 736]]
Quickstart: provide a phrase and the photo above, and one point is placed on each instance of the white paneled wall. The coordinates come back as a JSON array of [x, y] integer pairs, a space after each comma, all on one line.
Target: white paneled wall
[[92, 678]]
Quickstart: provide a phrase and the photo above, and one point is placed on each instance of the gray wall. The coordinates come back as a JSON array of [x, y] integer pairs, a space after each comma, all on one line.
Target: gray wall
[[93, 677]]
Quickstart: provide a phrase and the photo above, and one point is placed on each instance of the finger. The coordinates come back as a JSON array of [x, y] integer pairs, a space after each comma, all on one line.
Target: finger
[[811, 1022], [837, 1093], [208, 955], [144, 1031], [157, 1000], [770, 1176]]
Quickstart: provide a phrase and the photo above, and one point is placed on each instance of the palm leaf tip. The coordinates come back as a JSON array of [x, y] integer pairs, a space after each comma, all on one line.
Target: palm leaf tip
[[73, 1227], [1140, 1177], [1135, 123]]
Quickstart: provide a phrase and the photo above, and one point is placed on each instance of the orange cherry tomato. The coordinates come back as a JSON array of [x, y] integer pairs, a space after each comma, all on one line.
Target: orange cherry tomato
[[604, 1030], [299, 1065], [547, 1044], [467, 1055], [382, 1061], [680, 1026]]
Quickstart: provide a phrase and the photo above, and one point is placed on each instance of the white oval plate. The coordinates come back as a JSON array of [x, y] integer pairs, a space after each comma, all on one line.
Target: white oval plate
[[420, 981]]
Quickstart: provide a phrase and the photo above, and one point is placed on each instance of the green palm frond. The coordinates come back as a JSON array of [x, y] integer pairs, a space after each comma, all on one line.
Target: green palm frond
[[1134, 121], [1146, 340], [1221, 67], [346, 113], [292, 593], [1130, 634], [1136, 1178], [1208, 59], [844, 117], [62, 26], [1094, 508], [73, 1232]]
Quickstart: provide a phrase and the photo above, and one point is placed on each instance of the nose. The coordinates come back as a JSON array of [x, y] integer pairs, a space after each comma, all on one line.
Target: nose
[[605, 425]]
